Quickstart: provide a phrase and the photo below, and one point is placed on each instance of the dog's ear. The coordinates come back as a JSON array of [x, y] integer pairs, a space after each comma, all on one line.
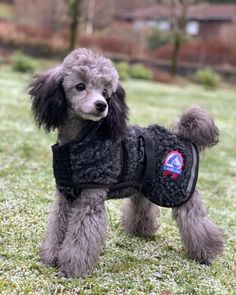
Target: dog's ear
[[49, 104], [115, 124]]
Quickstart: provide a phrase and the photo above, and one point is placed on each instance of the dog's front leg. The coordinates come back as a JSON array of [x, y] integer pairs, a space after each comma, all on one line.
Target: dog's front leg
[[202, 238], [57, 224], [85, 234]]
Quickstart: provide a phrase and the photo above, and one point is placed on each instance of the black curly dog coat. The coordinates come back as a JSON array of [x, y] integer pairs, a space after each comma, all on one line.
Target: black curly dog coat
[[160, 164], [83, 100]]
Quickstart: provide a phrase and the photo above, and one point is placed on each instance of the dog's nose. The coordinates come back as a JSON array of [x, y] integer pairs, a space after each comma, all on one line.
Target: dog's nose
[[100, 106]]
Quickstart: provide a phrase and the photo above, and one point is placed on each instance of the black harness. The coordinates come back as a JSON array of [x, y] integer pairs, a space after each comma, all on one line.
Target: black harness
[[145, 171], [146, 166]]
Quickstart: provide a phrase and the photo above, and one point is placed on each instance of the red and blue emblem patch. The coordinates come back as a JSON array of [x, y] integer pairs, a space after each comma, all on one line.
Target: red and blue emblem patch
[[173, 164]]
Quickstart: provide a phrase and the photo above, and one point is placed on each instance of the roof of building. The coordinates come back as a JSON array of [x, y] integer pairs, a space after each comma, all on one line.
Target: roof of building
[[203, 11]]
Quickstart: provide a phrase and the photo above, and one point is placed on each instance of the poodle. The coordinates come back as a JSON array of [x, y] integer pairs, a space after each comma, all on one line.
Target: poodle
[[98, 156]]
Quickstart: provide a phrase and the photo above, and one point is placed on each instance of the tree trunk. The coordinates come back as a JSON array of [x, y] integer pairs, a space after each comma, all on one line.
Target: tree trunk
[[179, 33], [74, 12], [175, 54]]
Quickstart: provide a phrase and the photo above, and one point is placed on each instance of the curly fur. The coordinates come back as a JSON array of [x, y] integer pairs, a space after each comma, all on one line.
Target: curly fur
[[201, 237], [77, 229], [48, 111], [115, 125], [140, 216], [197, 125]]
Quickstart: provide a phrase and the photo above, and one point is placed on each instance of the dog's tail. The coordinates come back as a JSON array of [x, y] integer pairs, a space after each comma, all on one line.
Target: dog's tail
[[197, 125]]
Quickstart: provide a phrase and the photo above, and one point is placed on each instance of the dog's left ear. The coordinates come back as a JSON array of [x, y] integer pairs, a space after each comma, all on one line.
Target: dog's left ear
[[115, 124]]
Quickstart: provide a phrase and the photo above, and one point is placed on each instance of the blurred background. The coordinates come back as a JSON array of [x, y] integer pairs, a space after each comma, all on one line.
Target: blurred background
[[148, 39], [163, 50]]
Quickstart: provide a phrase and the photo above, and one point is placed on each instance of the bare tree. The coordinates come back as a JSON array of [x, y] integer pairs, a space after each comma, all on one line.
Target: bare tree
[[74, 11], [178, 17]]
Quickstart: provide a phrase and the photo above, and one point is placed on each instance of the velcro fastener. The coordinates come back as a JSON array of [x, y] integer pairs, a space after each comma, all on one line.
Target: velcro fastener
[[61, 165]]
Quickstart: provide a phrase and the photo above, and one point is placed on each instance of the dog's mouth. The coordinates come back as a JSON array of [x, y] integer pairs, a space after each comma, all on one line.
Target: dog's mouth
[[94, 116]]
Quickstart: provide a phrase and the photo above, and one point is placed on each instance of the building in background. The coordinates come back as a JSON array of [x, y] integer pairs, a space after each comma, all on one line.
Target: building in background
[[204, 20], [52, 14], [121, 29]]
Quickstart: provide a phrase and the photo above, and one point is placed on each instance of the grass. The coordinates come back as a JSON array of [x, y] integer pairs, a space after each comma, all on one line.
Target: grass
[[128, 265]]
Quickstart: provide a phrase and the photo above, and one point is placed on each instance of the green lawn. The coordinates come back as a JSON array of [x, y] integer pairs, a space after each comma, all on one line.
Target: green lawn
[[128, 265]]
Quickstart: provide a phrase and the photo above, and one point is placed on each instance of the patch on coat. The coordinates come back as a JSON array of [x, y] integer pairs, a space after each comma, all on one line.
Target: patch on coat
[[173, 164]]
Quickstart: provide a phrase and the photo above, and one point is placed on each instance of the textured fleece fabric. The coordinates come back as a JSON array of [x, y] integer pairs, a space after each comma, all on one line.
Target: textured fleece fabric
[[96, 162]]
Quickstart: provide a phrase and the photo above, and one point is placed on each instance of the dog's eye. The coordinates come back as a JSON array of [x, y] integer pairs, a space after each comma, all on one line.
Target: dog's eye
[[80, 86], [104, 93]]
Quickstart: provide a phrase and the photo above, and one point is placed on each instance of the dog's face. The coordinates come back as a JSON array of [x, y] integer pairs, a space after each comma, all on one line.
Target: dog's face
[[87, 101], [84, 85], [89, 81]]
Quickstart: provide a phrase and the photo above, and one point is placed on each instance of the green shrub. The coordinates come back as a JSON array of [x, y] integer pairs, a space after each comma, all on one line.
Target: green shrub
[[23, 63], [208, 78], [123, 70], [158, 38], [136, 71], [139, 71]]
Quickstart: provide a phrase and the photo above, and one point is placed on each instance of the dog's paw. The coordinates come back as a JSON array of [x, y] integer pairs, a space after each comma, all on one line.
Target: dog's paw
[[62, 274], [71, 273], [208, 247], [48, 257]]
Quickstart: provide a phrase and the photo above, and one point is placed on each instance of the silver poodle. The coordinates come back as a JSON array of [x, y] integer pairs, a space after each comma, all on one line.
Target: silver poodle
[[74, 98]]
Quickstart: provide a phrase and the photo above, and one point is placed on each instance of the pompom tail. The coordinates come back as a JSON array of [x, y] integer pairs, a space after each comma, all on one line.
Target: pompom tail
[[197, 125]]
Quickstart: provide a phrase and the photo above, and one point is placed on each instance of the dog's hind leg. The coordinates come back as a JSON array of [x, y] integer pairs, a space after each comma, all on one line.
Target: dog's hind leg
[[140, 216], [57, 224], [202, 238], [85, 234]]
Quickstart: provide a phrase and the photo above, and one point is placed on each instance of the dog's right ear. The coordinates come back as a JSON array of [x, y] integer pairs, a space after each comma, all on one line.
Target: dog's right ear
[[49, 104], [115, 124]]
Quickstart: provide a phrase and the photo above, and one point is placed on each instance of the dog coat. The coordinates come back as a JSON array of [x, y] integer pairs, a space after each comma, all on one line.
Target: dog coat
[[162, 165]]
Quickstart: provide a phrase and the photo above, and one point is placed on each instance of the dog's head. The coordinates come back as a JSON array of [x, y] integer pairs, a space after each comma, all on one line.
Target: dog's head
[[84, 85]]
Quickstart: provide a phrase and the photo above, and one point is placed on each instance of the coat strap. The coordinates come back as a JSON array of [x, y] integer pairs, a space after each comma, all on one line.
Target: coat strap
[[150, 159]]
